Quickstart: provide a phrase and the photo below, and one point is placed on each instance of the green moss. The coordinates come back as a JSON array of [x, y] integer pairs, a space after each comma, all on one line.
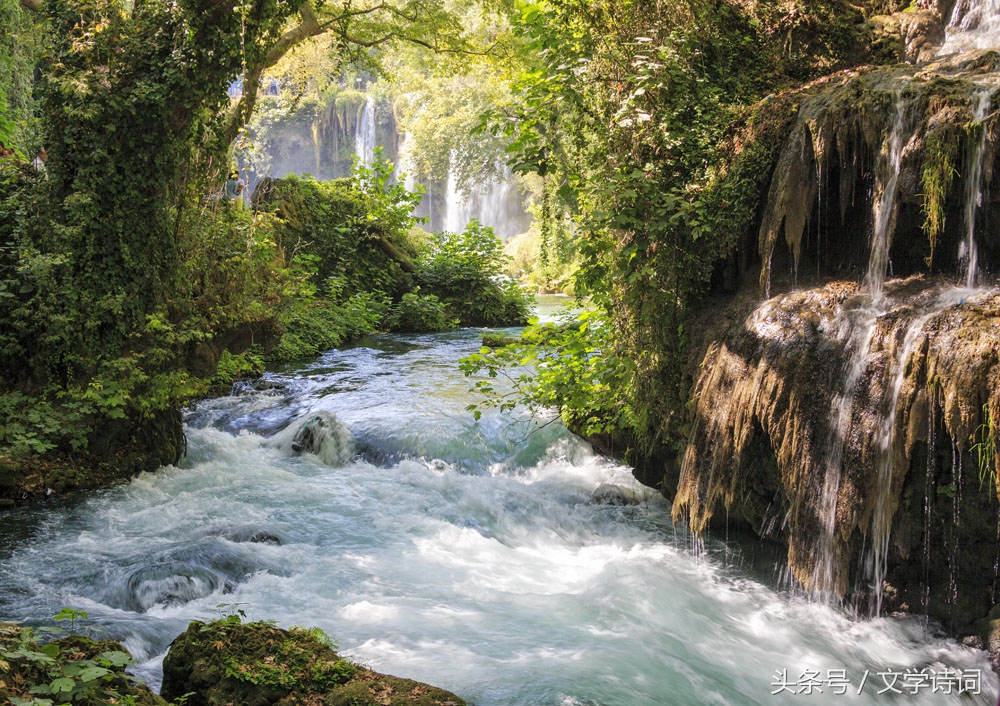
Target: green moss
[[257, 664], [350, 98], [937, 175]]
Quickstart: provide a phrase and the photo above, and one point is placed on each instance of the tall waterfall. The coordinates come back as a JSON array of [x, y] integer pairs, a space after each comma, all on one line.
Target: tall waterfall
[[494, 203], [364, 139]]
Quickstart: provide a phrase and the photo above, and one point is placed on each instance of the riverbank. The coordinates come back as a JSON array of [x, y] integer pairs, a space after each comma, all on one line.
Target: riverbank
[[472, 556]]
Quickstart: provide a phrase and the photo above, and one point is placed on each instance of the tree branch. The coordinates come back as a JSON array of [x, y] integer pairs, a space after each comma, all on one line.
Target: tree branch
[[33, 5], [309, 27]]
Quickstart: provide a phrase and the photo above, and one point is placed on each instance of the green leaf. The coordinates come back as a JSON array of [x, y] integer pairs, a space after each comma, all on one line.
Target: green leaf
[[62, 684]]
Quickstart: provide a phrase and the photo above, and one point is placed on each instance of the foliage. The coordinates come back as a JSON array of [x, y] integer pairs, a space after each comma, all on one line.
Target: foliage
[[70, 670], [417, 313], [569, 367], [19, 46], [464, 271], [440, 115], [224, 277], [645, 122], [230, 661], [313, 326], [984, 445], [937, 174], [349, 226], [290, 665]]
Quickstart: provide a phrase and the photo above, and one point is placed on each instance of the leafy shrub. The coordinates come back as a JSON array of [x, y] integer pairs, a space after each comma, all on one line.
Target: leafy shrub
[[71, 670], [464, 270], [569, 367], [417, 313], [355, 228]]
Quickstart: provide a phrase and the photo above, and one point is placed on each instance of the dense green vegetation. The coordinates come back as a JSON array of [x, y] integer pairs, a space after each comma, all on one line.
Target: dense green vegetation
[[653, 127], [124, 281], [642, 131], [40, 671]]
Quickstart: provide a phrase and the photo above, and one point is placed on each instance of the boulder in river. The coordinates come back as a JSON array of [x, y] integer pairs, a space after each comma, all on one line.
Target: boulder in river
[[258, 664]]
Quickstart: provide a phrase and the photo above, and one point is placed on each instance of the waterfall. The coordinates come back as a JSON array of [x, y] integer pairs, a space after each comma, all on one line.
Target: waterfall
[[858, 327], [456, 209], [858, 330], [404, 165], [493, 202], [364, 138], [887, 178], [886, 442], [973, 180], [974, 24]]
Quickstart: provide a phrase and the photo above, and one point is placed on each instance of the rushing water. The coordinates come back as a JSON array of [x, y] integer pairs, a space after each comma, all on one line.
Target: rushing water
[[469, 555]]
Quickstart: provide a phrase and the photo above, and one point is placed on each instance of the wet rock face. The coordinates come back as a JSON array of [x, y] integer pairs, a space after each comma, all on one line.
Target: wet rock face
[[838, 161], [846, 426], [257, 664]]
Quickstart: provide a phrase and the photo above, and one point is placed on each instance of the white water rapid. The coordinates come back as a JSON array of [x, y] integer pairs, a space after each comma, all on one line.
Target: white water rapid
[[467, 555]]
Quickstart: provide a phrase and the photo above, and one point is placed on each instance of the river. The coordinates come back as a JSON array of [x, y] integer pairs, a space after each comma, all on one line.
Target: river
[[468, 555]]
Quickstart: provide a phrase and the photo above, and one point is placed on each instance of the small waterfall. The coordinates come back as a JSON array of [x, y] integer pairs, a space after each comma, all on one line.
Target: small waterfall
[[858, 328], [364, 138], [974, 24], [886, 442], [973, 179], [887, 178]]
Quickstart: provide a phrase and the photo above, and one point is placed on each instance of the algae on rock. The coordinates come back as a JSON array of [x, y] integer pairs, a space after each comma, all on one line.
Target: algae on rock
[[258, 664]]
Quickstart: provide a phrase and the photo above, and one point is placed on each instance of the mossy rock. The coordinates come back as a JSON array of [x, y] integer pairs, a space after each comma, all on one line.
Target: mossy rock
[[25, 664], [258, 664]]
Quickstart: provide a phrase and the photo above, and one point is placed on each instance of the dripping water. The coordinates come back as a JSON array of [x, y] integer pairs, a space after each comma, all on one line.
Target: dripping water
[[956, 478], [860, 325], [885, 498], [928, 488]]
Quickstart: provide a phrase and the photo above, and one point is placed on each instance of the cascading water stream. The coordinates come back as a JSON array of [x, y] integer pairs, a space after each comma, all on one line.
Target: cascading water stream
[[470, 555], [887, 179], [973, 181], [886, 443], [859, 332], [974, 24], [364, 138], [859, 325], [493, 203]]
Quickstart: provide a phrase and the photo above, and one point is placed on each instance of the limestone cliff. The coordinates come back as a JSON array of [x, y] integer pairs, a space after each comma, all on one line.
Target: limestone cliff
[[845, 401]]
